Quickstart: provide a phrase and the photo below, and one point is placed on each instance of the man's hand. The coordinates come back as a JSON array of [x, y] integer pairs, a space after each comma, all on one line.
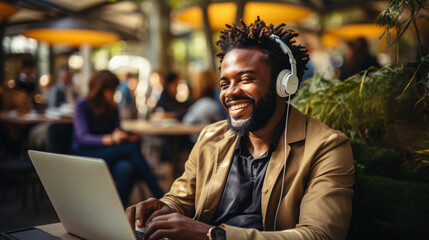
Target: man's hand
[[175, 226], [141, 213]]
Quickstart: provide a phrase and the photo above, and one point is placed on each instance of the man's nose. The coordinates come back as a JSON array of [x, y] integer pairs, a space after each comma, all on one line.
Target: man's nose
[[233, 89]]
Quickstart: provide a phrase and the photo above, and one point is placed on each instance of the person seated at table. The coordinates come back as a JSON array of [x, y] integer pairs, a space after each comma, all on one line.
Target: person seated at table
[[63, 91], [166, 109], [269, 171], [61, 94], [25, 80], [205, 109], [167, 105], [97, 133], [20, 96], [127, 92]]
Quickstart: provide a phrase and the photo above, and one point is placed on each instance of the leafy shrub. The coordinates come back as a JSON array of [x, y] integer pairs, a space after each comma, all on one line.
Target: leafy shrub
[[376, 161], [371, 105]]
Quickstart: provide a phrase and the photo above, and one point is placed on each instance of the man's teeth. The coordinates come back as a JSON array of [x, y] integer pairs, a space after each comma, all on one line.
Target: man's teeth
[[238, 106]]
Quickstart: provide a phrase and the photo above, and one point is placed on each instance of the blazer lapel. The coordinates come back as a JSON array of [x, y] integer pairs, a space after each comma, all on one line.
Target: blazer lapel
[[221, 163]]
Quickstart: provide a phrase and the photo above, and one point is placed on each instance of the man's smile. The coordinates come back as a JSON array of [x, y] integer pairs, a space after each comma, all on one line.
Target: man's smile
[[239, 106], [238, 110]]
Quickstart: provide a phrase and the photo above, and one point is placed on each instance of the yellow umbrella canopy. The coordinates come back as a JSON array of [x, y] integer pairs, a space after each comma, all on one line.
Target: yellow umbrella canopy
[[351, 31], [6, 9], [71, 31], [224, 13]]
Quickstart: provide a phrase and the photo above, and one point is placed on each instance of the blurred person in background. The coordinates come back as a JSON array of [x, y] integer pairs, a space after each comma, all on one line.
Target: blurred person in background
[[25, 80], [127, 97], [61, 100], [97, 133], [167, 105], [205, 108], [19, 96], [357, 58], [153, 94], [63, 91], [166, 109]]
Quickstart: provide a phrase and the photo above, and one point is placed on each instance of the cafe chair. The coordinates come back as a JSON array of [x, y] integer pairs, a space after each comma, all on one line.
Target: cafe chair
[[59, 137], [19, 171], [16, 173], [21, 174]]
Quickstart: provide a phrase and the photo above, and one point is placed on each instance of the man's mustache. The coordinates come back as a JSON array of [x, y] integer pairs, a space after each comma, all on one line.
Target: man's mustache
[[228, 100]]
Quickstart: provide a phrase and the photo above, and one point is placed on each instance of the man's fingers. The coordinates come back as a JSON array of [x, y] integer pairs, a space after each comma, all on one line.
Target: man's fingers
[[131, 215], [140, 212], [156, 226], [151, 205], [163, 211]]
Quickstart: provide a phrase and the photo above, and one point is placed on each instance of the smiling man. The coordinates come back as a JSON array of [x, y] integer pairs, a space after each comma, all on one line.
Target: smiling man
[[243, 180]]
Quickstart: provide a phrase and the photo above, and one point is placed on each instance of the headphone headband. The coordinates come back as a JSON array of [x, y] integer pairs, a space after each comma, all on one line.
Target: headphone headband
[[287, 51]]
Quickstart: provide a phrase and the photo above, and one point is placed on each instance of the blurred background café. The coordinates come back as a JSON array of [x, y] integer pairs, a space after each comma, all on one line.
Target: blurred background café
[[163, 52]]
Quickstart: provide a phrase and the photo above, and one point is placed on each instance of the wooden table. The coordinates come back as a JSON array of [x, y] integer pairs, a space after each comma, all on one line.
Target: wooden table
[[18, 125], [29, 118], [169, 127]]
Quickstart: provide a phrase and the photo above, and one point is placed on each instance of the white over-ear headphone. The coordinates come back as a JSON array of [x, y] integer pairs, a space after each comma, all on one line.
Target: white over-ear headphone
[[287, 81], [286, 85]]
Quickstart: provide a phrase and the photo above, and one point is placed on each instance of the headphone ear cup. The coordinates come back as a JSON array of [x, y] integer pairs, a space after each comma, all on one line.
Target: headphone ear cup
[[281, 83], [291, 85]]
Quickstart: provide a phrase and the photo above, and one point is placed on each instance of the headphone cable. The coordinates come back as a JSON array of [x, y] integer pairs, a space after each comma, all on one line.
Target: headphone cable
[[284, 166]]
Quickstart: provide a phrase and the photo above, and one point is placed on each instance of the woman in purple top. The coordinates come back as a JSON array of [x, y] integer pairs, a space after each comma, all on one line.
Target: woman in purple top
[[97, 133]]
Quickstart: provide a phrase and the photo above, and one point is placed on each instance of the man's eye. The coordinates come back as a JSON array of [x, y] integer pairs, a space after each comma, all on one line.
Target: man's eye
[[247, 79], [223, 85]]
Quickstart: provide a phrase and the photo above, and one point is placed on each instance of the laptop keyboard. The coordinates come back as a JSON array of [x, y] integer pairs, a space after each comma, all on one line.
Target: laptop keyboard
[[139, 235], [140, 232]]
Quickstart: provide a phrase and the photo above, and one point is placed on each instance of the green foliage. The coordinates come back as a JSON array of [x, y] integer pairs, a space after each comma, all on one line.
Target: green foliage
[[421, 155], [385, 208], [393, 16], [369, 104], [376, 161]]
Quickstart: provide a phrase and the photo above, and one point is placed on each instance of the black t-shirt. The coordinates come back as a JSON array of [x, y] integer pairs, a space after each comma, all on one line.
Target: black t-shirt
[[240, 204]]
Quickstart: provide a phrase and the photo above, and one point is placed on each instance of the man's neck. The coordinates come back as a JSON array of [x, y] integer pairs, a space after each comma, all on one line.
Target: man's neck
[[259, 141]]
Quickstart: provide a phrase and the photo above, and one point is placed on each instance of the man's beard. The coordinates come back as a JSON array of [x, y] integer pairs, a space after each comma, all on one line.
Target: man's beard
[[261, 114]]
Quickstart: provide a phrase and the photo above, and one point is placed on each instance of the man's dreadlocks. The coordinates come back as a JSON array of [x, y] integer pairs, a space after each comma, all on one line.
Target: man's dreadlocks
[[257, 35]]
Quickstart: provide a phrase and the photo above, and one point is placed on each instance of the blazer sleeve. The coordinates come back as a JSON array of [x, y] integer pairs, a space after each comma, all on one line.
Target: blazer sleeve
[[326, 207]]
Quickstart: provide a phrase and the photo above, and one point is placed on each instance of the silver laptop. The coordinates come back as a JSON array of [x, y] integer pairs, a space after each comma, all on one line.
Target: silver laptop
[[83, 194]]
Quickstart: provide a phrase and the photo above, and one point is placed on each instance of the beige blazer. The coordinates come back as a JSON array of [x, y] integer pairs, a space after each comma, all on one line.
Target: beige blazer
[[317, 199]]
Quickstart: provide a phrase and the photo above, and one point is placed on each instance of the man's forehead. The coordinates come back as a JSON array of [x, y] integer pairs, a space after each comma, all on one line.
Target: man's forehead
[[244, 55], [252, 58], [245, 51]]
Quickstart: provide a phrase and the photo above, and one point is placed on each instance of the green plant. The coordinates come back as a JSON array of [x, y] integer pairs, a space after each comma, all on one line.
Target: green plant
[[367, 105], [421, 156], [377, 161], [394, 16]]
